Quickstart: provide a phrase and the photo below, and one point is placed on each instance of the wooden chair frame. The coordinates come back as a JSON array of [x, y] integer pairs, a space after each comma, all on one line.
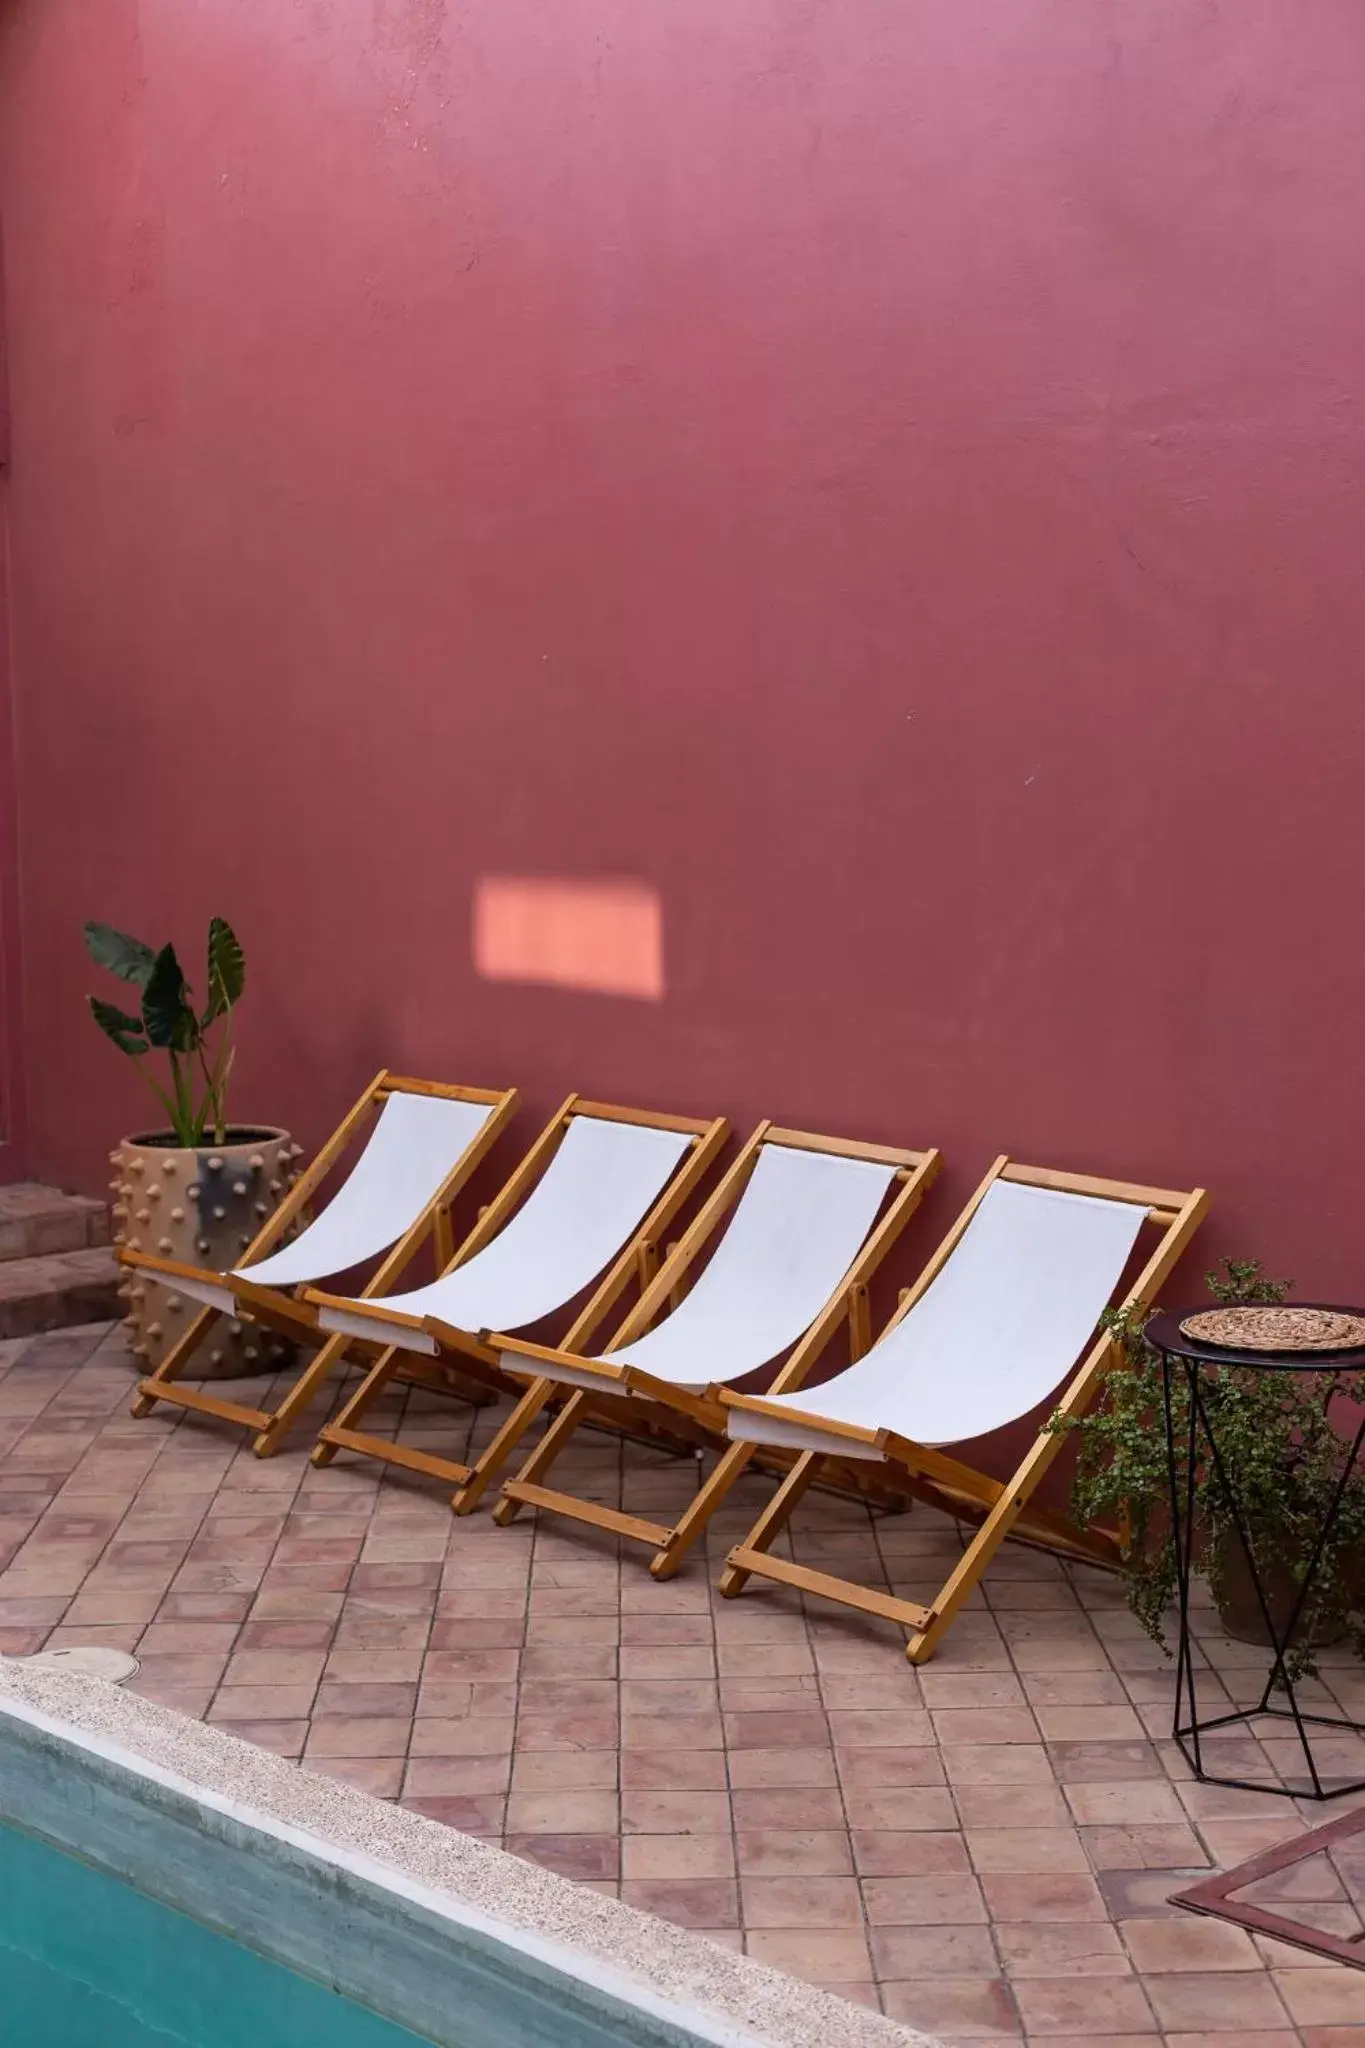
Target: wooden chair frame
[[638, 1260], [915, 1174], [1004, 1506], [281, 1310]]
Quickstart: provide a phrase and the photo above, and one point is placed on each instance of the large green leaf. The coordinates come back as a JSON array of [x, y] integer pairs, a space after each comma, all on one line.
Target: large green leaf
[[227, 970], [128, 958], [125, 1031], [167, 1017]]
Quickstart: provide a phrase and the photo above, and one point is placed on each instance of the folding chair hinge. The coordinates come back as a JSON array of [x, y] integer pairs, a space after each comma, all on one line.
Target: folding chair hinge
[[859, 1320]]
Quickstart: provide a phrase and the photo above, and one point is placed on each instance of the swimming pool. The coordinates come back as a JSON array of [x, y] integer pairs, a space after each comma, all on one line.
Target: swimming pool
[[163, 1885], [88, 1962]]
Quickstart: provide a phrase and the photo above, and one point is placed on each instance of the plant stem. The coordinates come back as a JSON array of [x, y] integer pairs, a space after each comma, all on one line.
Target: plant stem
[[209, 1102], [222, 1067], [163, 1098], [184, 1119]]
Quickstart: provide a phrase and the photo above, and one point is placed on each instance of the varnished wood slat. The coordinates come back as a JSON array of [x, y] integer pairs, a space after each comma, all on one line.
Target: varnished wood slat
[[464, 1378], [280, 1311], [1036, 1526], [170, 1269], [844, 1148], [845, 1591], [205, 1404], [970, 1484], [774, 1518], [592, 1511], [1053, 1532], [1170, 1199], [681, 1400], [390, 1453], [446, 1091], [651, 1119]]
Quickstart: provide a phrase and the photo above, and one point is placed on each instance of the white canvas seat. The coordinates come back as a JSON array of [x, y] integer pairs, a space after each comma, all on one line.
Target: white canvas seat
[[991, 1337], [416, 1141], [793, 1260], [996, 1324], [425, 1141], [590, 1201], [794, 1234], [597, 1187]]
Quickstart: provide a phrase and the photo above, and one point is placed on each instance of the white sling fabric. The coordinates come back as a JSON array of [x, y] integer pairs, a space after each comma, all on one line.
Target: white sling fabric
[[594, 1194], [415, 1143], [794, 1234], [992, 1336]]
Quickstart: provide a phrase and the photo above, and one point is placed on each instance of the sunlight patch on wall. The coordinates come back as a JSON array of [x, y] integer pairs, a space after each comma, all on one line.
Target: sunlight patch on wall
[[605, 937]]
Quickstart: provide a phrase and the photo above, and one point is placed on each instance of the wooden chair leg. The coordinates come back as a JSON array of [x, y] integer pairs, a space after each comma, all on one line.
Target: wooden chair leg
[[547, 1450], [696, 1517], [174, 1362], [966, 1576], [769, 1524], [374, 1383], [299, 1395], [497, 1453]]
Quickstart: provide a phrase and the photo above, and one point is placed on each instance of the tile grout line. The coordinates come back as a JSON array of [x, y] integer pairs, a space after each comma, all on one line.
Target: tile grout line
[[874, 1972]]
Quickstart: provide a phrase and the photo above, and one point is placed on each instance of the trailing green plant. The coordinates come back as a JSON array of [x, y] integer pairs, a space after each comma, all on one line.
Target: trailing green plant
[[197, 1043], [1282, 1454]]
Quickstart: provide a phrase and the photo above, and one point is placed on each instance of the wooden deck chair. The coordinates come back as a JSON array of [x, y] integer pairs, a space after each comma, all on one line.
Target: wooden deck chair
[[793, 1263], [588, 1203], [425, 1141], [994, 1324]]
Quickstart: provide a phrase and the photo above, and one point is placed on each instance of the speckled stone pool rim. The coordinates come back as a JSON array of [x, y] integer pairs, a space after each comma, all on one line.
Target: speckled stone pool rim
[[680, 1981]]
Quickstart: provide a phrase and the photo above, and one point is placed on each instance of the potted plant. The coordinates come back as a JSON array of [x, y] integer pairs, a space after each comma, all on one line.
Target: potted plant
[[199, 1190], [1284, 1457]]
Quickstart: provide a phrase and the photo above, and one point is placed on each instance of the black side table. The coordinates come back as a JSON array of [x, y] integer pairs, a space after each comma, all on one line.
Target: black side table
[[1180, 1353]]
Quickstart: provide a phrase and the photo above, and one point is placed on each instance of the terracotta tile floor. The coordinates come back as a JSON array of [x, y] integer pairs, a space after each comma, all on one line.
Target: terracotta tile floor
[[984, 1847]]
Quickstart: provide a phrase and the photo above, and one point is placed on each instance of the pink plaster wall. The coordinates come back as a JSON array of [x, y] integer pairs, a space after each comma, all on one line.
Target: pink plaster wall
[[13, 1122], [885, 475], [13, 1119]]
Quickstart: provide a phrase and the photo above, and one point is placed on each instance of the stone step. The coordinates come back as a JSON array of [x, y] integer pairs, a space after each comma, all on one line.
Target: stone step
[[36, 1221], [55, 1292]]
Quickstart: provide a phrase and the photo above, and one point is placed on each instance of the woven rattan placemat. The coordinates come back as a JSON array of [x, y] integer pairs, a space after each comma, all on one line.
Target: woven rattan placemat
[[1276, 1329]]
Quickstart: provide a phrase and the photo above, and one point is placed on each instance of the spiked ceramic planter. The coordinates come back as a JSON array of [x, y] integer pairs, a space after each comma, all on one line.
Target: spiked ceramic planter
[[201, 1206]]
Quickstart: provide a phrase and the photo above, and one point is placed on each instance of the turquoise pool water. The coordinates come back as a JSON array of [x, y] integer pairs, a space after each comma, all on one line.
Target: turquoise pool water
[[88, 1962]]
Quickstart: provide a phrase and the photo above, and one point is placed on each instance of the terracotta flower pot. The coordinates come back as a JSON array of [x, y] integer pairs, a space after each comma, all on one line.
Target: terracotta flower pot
[[202, 1206], [1240, 1611]]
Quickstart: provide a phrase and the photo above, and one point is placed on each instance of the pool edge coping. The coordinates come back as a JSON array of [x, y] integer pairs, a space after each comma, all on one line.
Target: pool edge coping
[[625, 1955]]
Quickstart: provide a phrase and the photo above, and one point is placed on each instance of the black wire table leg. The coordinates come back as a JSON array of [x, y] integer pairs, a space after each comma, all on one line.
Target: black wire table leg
[[1188, 1727], [1182, 1535]]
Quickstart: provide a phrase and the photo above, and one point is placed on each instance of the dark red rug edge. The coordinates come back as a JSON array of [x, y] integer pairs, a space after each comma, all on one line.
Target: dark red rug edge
[[1213, 1895]]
